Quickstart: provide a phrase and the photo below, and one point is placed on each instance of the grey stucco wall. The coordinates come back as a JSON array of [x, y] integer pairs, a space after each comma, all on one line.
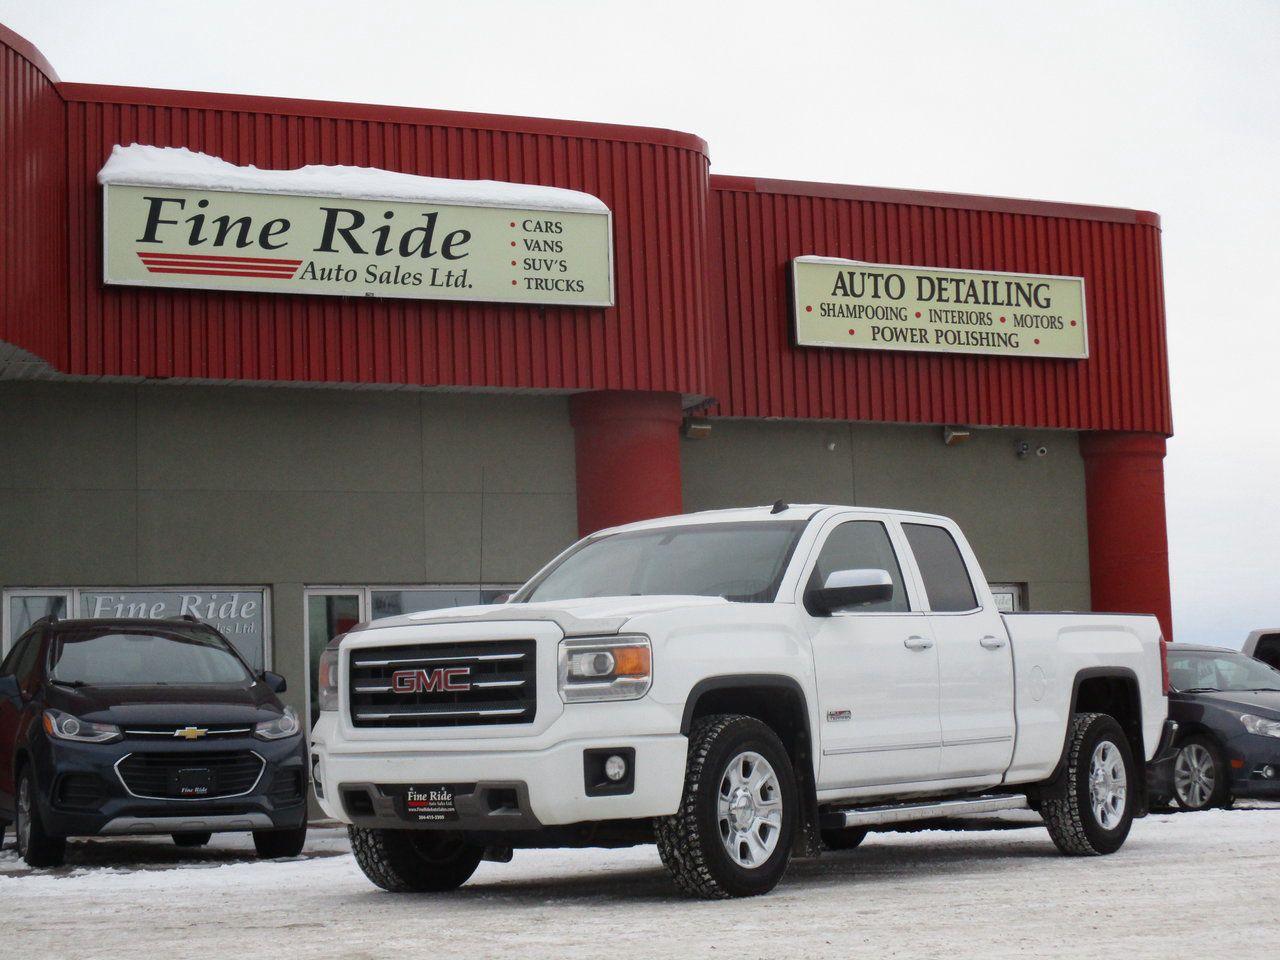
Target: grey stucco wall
[[1024, 517], [123, 485]]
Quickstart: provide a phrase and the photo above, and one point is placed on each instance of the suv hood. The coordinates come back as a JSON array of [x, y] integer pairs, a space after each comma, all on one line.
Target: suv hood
[[162, 705], [591, 616]]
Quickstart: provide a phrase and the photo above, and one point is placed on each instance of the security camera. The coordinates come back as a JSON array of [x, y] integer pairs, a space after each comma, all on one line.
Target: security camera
[[1022, 448], [1042, 451]]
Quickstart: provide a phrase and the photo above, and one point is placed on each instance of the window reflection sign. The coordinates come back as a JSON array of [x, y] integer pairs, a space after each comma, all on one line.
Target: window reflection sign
[[239, 614]]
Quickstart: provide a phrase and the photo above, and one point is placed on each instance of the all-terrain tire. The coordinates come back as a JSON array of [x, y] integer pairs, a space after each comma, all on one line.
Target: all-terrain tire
[[843, 839], [690, 841], [274, 844], [414, 861], [1066, 805], [35, 844], [191, 839]]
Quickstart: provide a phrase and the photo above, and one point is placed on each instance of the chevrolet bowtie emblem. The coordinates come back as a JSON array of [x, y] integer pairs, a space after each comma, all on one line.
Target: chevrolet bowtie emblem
[[190, 733]]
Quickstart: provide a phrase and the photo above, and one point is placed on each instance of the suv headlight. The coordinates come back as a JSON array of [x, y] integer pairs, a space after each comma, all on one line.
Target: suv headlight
[[64, 726], [328, 675], [1260, 726], [285, 725], [605, 668]]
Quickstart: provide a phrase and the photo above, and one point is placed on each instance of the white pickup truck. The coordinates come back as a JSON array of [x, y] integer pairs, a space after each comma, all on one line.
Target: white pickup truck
[[741, 686]]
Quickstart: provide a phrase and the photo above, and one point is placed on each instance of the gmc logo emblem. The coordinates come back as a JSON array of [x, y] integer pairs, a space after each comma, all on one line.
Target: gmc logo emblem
[[439, 680]]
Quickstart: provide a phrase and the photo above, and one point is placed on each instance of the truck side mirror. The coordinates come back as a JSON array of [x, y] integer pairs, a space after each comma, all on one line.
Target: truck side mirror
[[277, 683], [849, 588]]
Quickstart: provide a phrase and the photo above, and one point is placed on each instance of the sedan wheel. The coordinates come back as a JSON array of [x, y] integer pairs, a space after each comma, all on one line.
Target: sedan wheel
[[1195, 776]]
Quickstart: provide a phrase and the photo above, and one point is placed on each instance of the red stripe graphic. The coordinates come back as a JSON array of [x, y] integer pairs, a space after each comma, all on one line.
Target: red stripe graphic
[[209, 265]]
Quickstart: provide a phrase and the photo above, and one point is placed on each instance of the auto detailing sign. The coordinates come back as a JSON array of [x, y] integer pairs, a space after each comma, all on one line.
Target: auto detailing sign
[[873, 306], [325, 230]]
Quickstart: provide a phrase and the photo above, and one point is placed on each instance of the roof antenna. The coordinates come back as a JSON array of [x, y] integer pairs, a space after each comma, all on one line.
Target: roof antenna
[[779, 506]]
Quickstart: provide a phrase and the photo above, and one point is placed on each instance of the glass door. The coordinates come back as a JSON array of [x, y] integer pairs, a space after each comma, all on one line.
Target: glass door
[[22, 608], [329, 612]]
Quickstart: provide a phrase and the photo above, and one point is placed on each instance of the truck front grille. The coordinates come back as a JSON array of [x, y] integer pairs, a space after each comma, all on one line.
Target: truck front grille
[[444, 684]]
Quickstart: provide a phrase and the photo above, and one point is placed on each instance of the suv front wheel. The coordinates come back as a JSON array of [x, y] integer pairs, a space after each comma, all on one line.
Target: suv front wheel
[[733, 833], [35, 846]]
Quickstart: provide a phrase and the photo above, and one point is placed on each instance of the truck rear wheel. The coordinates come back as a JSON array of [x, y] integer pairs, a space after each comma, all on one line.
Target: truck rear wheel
[[414, 861], [1089, 807], [733, 833]]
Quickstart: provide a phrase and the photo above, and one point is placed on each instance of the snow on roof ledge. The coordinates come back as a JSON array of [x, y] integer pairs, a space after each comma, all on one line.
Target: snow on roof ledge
[[178, 167]]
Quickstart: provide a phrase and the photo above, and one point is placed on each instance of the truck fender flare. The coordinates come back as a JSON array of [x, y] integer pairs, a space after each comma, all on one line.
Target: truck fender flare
[[808, 841], [1093, 673]]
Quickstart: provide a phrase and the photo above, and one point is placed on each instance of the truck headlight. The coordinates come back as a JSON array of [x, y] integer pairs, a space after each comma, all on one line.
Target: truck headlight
[[64, 726], [605, 668], [1260, 726], [285, 725], [328, 676]]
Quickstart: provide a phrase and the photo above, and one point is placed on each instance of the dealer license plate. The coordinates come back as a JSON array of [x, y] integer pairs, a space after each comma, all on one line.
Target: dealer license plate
[[194, 782], [428, 803]]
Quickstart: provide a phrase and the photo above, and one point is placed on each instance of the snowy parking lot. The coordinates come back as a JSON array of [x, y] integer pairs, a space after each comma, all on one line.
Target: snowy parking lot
[[1208, 880]]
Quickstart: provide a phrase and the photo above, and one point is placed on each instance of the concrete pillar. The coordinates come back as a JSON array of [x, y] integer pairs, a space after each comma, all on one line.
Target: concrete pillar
[[1128, 538], [627, 448]]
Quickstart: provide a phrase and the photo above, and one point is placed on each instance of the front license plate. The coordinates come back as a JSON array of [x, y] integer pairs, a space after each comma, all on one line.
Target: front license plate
[[428, 803], [194, 782]]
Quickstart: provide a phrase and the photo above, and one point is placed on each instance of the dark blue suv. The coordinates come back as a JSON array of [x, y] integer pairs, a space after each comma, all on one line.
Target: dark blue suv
[[144, 726]]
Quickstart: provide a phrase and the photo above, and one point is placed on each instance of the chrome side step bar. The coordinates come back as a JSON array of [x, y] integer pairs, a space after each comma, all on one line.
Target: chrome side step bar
[[906, 812]]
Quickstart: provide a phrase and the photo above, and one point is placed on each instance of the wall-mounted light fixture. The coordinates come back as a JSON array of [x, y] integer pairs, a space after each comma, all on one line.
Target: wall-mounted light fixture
[[696, 428], [954, 435]]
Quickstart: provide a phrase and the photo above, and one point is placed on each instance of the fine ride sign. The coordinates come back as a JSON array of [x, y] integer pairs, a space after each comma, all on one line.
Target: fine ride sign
[[873, 306], [295, 232]]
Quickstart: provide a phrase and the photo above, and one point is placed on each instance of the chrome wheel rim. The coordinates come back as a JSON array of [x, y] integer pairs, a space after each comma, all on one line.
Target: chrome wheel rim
[[22, 829], [1108, 785], [749, 810], [1194, 776]]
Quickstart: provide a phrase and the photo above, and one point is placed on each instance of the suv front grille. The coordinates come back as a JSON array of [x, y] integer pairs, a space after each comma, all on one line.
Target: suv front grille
[[444, 684], [158, 776]]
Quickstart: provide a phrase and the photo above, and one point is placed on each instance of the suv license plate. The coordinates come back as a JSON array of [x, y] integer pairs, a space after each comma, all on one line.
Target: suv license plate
[[194, 782], [428, 803]]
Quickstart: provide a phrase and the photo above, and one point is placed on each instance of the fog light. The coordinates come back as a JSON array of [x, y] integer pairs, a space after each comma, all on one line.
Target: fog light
[[615, 768]]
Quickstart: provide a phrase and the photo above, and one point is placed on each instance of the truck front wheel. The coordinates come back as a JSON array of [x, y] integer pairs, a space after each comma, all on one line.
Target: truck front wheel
[[733, 833], [414, 861], [1089, 807]]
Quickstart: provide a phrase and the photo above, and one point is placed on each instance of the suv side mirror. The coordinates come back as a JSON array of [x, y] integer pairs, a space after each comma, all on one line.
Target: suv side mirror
[[9, 689], [849, 588], [277, 683]]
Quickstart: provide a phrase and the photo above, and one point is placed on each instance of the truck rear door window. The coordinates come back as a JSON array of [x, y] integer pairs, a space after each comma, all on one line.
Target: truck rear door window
[[946, 578]]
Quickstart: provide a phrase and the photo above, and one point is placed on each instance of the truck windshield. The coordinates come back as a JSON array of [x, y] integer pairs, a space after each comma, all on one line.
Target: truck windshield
[[99, 657], [1216, 672], [738, 561]]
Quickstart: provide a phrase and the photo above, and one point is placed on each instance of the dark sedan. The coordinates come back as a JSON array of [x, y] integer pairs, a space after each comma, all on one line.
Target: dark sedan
[[144, 726], [1227, 707]]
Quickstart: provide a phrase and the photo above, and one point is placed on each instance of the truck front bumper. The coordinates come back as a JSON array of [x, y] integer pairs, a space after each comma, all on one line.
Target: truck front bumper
[[503, 790]]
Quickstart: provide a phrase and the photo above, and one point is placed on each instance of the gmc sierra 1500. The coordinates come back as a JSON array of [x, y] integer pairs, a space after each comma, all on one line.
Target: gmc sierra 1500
[[739, 686]]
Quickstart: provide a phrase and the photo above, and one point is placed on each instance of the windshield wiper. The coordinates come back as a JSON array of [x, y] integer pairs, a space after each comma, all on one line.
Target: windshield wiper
[[1264, 689], [1200, 690], [74, 684]]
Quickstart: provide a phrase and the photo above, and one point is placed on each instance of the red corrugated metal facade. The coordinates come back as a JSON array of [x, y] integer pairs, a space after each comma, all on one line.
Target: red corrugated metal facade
[[701, 270]]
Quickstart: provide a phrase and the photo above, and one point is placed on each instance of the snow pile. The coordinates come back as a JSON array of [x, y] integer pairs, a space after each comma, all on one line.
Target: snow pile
[[147, 166]]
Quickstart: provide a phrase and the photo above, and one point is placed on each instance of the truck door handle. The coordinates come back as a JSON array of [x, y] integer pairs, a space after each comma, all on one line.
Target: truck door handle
[[992, 643], [917, 643]]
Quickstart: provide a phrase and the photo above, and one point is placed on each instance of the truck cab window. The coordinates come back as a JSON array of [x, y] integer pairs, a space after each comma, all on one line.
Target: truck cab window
[[946, 579], [862, 545]]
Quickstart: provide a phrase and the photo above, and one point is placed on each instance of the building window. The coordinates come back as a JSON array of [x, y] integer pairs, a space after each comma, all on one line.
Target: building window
[[240, 613], [22, 608], [1009, 597], [334, 610]]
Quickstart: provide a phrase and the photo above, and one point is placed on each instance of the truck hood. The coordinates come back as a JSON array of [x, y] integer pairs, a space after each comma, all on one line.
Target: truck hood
[[590, 616]]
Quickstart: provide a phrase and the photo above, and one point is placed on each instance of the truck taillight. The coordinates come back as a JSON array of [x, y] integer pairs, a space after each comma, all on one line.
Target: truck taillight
[[1164, 664]]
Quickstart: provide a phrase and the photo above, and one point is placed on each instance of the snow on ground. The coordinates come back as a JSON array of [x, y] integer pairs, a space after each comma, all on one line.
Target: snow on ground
[[1203, 883]]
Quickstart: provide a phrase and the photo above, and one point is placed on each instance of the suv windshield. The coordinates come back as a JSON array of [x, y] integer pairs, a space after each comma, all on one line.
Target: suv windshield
[[94, 657], [1220, 672], [737, 561]]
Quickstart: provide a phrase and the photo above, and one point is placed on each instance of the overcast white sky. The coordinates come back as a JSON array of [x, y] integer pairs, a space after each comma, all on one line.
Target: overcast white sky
[[1167, 106]]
